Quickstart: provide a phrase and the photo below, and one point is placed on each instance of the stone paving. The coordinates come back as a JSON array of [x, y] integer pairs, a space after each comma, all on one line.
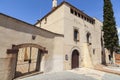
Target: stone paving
[[76, 74]]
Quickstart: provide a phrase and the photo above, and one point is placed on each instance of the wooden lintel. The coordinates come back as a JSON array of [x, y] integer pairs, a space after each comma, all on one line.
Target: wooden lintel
[[12, 51], [28, 45], [45, 52]]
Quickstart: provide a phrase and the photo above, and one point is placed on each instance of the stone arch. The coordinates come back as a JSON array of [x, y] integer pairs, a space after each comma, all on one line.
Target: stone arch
[[75, 52], [74, 48], [29, 45], [75, 59]]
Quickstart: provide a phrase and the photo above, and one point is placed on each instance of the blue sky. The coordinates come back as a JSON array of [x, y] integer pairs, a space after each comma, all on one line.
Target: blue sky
[[32, 10]]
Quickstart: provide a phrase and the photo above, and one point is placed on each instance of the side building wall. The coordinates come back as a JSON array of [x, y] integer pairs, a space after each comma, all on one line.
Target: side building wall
[[15, 32]]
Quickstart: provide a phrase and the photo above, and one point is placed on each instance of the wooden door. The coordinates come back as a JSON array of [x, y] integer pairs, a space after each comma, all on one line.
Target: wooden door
[[75, 59], [27, 61]]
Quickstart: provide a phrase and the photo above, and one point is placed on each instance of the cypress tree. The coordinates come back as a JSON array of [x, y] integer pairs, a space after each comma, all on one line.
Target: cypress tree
[[110, 36]]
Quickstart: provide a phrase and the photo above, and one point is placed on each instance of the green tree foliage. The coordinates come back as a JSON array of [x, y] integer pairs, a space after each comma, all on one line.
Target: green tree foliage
[[111, 41]]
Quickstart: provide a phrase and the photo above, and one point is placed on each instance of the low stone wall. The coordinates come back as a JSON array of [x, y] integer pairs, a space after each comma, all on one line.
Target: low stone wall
[[7, 68]]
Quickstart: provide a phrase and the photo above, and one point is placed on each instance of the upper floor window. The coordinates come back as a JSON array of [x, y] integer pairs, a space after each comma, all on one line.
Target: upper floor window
[[81, 15], [72, 11], [76, 35], [88, 38], [45, 20], [78, 14], [75, 13]]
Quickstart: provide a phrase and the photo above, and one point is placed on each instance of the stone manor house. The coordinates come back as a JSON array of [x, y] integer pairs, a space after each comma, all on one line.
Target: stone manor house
[[64, 39]]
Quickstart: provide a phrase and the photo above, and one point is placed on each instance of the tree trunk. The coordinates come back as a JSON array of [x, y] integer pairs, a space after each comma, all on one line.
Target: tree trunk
[[111, 56], [103, 57]]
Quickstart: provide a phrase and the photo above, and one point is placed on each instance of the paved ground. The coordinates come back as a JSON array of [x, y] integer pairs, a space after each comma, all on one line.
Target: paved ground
[[109, 69], [77, 74], [113, 68]]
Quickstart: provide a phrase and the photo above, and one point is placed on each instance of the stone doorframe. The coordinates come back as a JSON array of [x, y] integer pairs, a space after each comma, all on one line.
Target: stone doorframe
[[80, 58], [75, 59], [14, 55]]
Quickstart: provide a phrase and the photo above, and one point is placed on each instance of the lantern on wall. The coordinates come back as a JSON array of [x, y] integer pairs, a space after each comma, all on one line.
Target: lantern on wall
[[33, 37]]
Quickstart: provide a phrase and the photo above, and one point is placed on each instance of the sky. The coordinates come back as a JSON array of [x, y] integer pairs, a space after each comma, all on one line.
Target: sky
[[32, 10]]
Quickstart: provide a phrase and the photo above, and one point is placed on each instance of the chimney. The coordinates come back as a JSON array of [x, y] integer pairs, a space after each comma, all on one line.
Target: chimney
[[54, 4]]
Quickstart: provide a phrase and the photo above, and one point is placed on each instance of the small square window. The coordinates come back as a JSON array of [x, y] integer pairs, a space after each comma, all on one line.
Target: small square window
[[78, 14], [87, 20], [82, 16], [45, 21], [72, 11], [75, 13]]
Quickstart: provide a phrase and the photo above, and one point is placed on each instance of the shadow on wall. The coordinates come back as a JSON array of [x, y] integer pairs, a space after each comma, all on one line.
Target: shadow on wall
[[18, 74]]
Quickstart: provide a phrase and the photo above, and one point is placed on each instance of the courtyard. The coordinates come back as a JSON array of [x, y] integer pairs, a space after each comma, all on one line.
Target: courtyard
[[75, 74]]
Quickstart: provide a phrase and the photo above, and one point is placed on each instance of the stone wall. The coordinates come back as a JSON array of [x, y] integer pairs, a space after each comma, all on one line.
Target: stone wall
[[117, 59], [92, 51], [65, 24], [15, 32]]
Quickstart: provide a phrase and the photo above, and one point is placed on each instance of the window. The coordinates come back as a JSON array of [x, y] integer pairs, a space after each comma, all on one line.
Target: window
[[88, 38], [76, 35], [75, 13], [87, 20], [81, 15], [84, 18], [45, 21], [78, 14], [72, 11], [94, 51]]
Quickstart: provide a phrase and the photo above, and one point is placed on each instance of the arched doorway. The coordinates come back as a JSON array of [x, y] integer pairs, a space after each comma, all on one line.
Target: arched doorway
[[75, 59], [29, 58]]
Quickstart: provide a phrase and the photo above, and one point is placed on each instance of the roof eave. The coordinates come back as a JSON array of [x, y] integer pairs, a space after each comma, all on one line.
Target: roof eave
[[64, 2]]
